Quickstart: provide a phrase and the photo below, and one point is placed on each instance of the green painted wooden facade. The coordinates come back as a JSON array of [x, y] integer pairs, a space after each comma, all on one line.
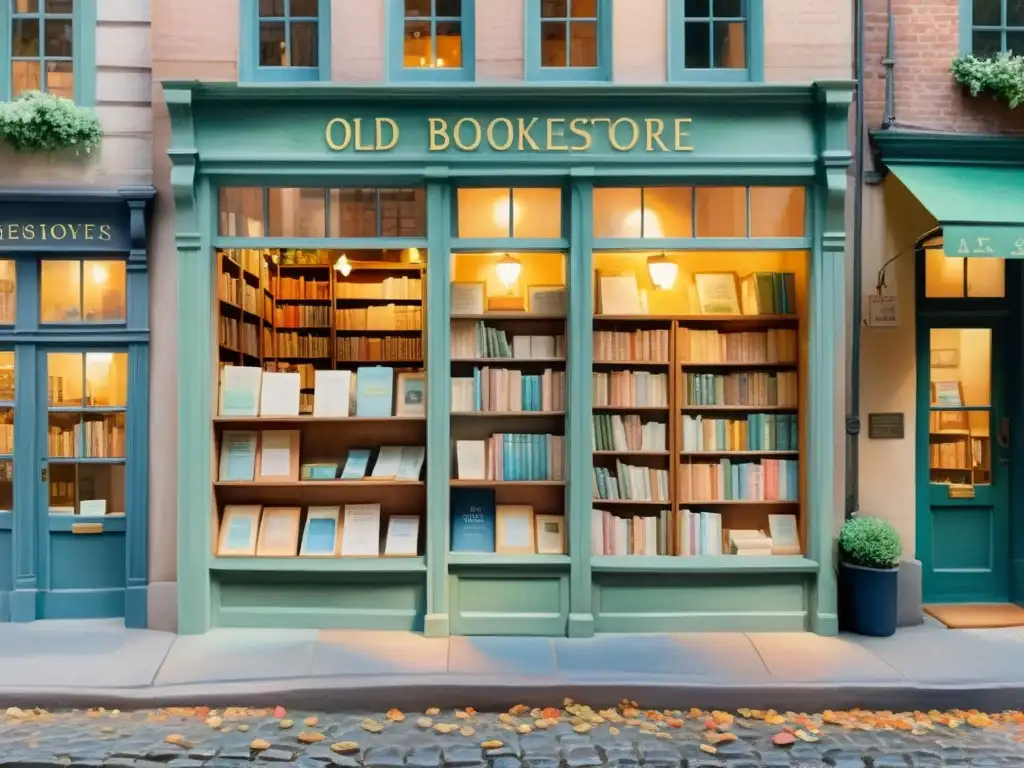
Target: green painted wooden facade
[[236, 135]]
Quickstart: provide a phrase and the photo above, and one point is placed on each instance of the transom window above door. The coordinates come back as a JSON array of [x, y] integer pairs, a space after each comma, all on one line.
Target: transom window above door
[[993, 25], [568, 40], [82, 291], [435, 39]]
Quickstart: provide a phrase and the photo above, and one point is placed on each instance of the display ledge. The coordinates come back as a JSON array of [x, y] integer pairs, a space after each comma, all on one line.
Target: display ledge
[[507, 414], [739, 408], [702, 563], [732, 502], [67, 523], [634, 363], [631, 453], [408, 494], [759, 364], [289, 420], [6, 520], [459, 483], [508, 316], [632, 502], [493, 560], [509, 360], [711, 319], [715, 454], [630, 408], [320, 564]]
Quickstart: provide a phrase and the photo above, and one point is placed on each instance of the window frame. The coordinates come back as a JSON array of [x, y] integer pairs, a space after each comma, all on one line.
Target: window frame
[[81, 258], [532, 49], [249, 68], [83, 50], [678, 72], [396, 69], [967, 27]]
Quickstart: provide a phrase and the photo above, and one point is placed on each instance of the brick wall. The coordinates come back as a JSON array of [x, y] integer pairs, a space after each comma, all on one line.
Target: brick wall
[[927, 39]]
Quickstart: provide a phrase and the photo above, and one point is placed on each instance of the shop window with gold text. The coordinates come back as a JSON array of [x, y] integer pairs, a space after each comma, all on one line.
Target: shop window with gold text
[[87, 399], [716, 40], [989, 27], [285, 40], [568, 40], [432, 40], [82, 291]]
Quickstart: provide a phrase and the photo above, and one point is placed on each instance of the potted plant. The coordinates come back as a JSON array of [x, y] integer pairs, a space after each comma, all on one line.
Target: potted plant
[[869, 556]]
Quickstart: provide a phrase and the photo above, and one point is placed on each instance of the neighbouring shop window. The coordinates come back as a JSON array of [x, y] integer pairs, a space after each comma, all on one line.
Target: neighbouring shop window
[[956, 277], [87, 400], [6, 431], [709, 212], [523, 212], [436, 39], [317, 212], [284, 40], [996, 25], [42, 47], [568, 39], [82, 290], [715, 39], [959, 426], [8, 292]]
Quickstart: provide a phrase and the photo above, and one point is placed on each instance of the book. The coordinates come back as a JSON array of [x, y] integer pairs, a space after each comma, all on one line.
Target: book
[[471, 459], [402, 539], [666, 532], [757, 389], [374, 391], [625, 389], [472, 520], [754, 432], [618, 295], [500, 390], [278, 458], [323, 471], [360, 532], [472, 340], [776, 345], [280, 394], [332, 393], [625, 346], [630, 483], [356, 462], [628, 433], [725, 480], [240, 390], [279, 532], [320, 535], [389, 460], [516, 457], [238, 456]]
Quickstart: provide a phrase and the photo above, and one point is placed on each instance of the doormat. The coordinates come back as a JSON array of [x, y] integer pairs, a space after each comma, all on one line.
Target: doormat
[[978, 615]]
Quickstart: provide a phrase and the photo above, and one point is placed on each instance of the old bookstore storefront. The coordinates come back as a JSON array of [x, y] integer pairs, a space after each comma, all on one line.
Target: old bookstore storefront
[[74, 320], [533, 361]]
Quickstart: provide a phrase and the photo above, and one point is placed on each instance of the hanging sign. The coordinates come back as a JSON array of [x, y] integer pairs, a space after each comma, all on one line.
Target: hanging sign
[[883, 311]]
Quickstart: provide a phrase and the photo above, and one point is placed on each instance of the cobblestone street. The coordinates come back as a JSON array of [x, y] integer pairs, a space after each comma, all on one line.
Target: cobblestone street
[[573, 735]]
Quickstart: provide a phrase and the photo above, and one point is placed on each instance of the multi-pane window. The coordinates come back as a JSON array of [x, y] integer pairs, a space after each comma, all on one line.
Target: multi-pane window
[[569, 33], [42, 46], [432, 31], [289, 33], [77, 291], [997, 25], [715, 34]]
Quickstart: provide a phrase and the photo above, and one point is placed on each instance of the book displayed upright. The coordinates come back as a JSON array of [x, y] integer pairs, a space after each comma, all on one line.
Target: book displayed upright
[[473, 520]]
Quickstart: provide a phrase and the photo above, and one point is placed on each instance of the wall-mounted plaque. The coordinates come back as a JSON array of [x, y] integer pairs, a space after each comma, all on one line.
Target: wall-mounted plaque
[[885, 426]]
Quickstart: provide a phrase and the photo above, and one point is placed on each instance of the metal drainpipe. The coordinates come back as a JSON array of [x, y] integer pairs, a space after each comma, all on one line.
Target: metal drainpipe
[[853, 417]]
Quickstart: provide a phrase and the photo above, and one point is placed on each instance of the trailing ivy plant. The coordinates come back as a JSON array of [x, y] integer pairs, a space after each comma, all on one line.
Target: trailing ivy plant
[[42, 122], [1001, 76]]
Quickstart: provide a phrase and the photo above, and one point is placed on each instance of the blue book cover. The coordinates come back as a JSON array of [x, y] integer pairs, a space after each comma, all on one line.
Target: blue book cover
[[355, 464], [472, 516], [374, 391]]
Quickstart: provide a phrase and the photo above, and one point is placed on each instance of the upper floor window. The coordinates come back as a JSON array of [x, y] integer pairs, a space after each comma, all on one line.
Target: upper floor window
[[995, 26], [568, 40], [285, 40], [43, 47], [716, 40], [432, 40]]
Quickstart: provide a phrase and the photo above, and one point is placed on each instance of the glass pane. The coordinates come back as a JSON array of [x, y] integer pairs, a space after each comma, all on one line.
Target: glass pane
[[777, 211], [730, 41], [25, 6], [7, 431], [241, 212], [1014, 13], [552, 44], [64, 429], [102, 436], [403, 213], [697, 39], [296, 212], [449, 44], [698, 9], [353, 213], [987, 13], [8, 294], [536, 212], [584, 9], [7, 377], [60, 298], [986, 44], [986, 278], [273, 49], [417, 8], [58, 37], [7, 486], [104, 295], [304, 44], [64, 379], [960, 366], [583, 44], [451, 9], [106, 379], [554, 9], [417, 51], [25, 76], [101, 483], [25, 37], [668, 212], [729, 9], [484, 213], [721, 211], [305, 8], [959, 447], [617, 212], [1015, 42], [60, 78], [943, 275], [272, 7], [62, 489]]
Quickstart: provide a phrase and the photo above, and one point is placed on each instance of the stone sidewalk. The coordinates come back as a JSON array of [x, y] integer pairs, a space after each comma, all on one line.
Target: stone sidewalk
[[53, 664]]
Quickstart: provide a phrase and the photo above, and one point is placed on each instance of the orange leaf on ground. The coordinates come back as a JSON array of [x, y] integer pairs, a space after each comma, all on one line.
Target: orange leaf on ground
[[774, 719], [550, 713], [783, 739], [674, 722], [708, 748], [279, 712], [713, 737], [396, 715]]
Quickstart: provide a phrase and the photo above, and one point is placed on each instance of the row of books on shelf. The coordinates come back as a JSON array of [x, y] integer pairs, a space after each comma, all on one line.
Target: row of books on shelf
[[758, 389], [712, 293], [100, 439], [956, 454], [689, 533], [628, 433], [302, 287], [302, 316], [479, 525], [255, 531], [776, 345], [290, 344], [239, 335], [405, 348], [240, 293], [630, 483], [634, 346], [384, 317], [630, 389], [725, 480], [250, 259], [472, 340], [367, 392], [6, 438], [511, 458], [754, 432], [501, 390], [404, 287], [273, 455]]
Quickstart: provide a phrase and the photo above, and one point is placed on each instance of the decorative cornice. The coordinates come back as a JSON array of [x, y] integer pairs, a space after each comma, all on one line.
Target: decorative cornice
[[897, 145]]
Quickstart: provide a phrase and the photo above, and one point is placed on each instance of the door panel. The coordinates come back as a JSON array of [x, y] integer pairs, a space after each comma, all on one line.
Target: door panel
[[964, 542]]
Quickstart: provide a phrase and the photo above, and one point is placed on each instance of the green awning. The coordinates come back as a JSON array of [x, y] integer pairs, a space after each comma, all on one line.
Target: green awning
[[980, 208]]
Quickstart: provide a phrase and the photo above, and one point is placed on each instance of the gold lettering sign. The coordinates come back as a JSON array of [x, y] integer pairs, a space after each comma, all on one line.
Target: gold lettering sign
[[520, 134], [45, 232]]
